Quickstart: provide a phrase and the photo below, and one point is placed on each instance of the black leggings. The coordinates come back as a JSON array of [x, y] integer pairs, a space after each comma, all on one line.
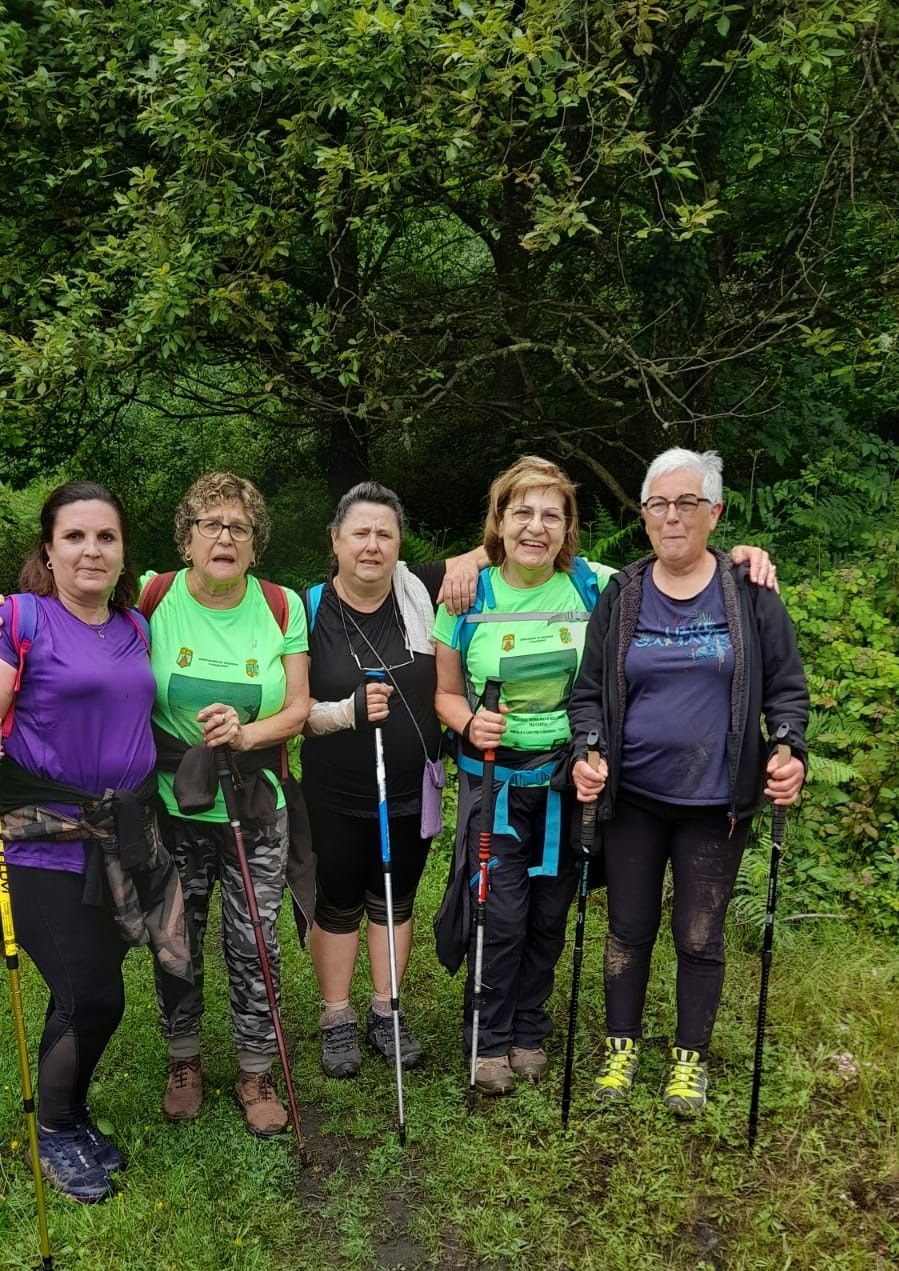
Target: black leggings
[[350, 877], [77, 950], [643, 836]]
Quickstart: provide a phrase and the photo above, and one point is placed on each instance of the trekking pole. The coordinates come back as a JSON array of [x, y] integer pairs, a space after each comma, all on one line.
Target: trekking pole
[[226, 781], [491, 703], [387, 867], [11, 954], [778, 826], [588, 828]]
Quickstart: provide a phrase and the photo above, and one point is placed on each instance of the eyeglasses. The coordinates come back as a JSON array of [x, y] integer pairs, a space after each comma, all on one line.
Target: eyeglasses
[[211, 528], [686, 505], [550, 517]]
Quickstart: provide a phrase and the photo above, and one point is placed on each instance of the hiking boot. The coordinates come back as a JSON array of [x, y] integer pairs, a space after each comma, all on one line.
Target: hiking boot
[[183, 1097], [341, 1056], [103, 1149], [685, 1093], [493, 1076], [528, 1063], [263, 1111], [68, 1164], [380, 1037], [617, 1070]]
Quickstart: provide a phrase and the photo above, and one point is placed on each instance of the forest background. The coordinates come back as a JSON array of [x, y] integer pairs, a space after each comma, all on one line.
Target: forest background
[[323, 240]]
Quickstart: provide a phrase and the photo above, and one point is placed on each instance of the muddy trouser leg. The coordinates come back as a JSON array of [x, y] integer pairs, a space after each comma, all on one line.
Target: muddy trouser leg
[[550, 900], [505, 932], [195, 847], [636, 852], [705, 859], [251, 1020]]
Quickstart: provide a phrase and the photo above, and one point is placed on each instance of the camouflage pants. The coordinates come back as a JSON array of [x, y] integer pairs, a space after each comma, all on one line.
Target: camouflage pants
[[204, 852]]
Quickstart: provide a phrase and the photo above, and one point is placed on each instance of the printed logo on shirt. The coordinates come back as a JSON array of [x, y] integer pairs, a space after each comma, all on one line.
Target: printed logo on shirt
[[508, 643], [252, 668], [185, 656], [564, 635]]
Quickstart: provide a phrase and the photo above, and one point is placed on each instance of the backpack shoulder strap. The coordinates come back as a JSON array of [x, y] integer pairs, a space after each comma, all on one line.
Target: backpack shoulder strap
[[22, 630], [312, 598], [276, 599], [585, 581], [484, 598], [141, 624], [152, 595]]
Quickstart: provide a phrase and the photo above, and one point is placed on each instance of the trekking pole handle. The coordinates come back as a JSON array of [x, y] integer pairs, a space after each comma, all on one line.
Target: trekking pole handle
[[588, 816], [491, 695]]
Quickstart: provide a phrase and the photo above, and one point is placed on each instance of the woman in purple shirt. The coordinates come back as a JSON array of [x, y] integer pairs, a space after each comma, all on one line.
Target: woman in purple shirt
[[81, 719]]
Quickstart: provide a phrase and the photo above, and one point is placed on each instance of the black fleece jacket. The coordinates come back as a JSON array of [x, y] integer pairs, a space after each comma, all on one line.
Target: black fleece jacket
[[768, 680]]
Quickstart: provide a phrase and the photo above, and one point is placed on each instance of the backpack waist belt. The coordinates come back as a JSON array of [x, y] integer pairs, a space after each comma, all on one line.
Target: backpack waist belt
[[523, 779]]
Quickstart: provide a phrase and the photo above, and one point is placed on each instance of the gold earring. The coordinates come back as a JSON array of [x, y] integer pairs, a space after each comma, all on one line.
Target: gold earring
[[49, 564]]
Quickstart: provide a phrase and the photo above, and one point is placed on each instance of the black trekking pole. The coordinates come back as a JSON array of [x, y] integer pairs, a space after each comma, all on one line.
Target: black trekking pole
[[778, 826], [387, 867], [588, 828], [11, 954], [226, 781], [491, 703]]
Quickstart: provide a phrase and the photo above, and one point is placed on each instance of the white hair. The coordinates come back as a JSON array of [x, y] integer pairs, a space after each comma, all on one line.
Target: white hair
[[708, 464]]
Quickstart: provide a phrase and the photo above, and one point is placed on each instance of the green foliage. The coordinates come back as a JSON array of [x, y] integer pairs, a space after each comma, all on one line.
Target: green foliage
[[844, 841]]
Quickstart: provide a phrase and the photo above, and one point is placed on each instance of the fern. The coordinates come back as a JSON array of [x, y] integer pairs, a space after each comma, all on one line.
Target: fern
[[831, 772]]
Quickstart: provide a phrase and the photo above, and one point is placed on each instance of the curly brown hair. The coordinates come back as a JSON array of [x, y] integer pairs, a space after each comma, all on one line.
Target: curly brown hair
[[34, 575], [222, 487], [527, 473]]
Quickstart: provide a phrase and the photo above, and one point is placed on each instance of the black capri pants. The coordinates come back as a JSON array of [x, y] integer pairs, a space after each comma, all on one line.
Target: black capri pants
[[349, 879], [705, 855]]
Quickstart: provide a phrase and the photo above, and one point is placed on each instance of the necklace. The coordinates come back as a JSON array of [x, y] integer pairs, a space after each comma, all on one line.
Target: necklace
[[381, 664]]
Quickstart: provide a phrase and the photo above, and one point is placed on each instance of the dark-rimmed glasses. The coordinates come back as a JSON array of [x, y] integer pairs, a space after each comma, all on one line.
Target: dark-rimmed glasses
[[685, 504], [209, 527]]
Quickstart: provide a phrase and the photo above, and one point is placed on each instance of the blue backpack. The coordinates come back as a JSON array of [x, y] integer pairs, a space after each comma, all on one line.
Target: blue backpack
[[585, 583]]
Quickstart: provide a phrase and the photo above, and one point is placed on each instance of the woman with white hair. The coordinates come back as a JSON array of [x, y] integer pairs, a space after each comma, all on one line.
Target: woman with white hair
[[682, 657]]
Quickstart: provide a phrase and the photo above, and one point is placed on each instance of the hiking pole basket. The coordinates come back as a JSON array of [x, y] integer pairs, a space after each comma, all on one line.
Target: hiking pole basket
[[226, 781], [588, 830], [778, 827], [11, 955], [387, 867], [491, 703]]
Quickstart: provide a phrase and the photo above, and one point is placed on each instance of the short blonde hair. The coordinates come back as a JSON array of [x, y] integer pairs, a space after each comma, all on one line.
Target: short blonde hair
[[527, 473], [221, 487]]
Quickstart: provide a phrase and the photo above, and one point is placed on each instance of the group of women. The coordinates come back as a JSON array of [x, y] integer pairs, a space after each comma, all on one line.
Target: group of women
[[673, 668]]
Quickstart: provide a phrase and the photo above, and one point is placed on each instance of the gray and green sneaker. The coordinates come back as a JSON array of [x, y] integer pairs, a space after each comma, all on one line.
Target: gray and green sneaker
[[685, 1091], [617, 1070]]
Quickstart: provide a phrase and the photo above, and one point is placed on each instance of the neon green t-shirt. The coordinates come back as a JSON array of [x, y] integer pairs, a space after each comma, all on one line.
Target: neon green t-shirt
[[202, 655], [536, 658]]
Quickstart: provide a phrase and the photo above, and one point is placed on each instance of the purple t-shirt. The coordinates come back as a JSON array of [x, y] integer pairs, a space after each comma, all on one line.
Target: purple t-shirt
[[679, 669], [82, 715]]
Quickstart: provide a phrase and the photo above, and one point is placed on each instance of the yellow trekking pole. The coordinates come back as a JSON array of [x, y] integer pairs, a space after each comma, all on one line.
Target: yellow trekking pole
[[11, 954]]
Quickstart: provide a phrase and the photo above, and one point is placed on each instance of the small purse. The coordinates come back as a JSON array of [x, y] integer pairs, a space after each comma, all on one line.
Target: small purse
[[433, 779]]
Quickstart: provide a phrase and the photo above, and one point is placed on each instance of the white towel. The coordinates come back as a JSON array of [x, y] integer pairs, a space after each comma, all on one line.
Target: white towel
[[415, 606]]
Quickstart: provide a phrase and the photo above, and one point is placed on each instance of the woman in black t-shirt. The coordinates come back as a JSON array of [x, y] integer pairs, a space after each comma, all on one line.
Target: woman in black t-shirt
[[374, 613]]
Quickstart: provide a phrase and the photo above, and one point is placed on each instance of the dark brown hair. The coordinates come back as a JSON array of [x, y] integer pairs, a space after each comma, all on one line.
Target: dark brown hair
[[37, 578]]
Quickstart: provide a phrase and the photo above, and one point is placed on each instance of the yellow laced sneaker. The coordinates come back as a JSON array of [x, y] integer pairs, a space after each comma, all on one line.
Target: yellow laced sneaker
[[616, 1072], [685, 1092]]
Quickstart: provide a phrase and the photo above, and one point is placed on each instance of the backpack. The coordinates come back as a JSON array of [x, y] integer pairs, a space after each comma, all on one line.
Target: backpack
[[23, 628], [585, 583], [152, 595]]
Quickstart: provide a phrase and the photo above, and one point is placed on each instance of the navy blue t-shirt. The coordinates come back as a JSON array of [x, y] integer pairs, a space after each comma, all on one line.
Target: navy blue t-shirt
[[679, 669]]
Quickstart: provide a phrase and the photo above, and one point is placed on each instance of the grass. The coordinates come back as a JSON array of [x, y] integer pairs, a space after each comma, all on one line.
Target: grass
[[504, 1187]]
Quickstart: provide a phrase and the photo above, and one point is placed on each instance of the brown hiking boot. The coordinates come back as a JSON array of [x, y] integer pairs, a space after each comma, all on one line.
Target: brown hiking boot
[[263, 1111], [493, 1075], [183, 1096], [528, 1063]]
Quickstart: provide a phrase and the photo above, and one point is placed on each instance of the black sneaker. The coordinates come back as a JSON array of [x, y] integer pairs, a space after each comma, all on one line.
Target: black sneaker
[[380, 1038], [68, 1164], [103, 1149], [341, 1056]]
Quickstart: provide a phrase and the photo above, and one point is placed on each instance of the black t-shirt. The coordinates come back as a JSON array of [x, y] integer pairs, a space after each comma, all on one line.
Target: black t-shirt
[[339, 770]]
